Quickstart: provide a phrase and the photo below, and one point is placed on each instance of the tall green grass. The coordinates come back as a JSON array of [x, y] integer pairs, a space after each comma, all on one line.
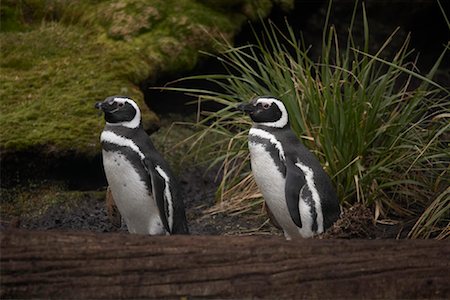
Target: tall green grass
[[376, 123]]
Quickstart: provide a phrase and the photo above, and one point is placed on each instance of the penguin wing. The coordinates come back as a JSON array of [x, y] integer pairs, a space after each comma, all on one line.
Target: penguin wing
[[161, 192], [295, 182]]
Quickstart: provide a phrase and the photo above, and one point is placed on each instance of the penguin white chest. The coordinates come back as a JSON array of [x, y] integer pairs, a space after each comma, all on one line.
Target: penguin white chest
[[272, 186], [132, 197]]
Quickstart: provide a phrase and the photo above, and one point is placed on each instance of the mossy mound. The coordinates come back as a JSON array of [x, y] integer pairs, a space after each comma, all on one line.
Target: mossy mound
[[51, 77], [59, 57]]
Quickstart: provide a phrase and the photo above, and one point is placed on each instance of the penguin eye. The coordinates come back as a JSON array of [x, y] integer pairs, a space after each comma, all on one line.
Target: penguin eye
[[266, 105], [120, 104]]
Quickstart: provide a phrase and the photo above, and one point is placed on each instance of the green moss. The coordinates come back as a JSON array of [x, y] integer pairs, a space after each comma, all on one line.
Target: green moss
[[48, 100], [68, 56], [35, 199]]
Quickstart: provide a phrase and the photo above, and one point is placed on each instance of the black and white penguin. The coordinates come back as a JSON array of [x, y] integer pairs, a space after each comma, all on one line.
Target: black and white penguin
[[296, 189], [141, 182]]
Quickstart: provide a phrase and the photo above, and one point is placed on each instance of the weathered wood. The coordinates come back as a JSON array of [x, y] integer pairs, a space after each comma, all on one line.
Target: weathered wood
[[80, 265]]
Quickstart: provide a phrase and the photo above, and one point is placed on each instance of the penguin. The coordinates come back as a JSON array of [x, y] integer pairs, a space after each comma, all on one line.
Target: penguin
[[142, 184], [296, 189]]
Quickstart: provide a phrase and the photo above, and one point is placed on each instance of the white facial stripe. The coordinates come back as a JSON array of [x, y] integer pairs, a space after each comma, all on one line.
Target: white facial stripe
[[111, 137], [266, 100], [123, 100], [167, 195], [284, 114], [309, 176], [137, 118], [266, 135]]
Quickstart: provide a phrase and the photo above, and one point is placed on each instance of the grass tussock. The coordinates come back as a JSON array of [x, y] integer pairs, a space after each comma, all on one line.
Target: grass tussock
[[377, 123]]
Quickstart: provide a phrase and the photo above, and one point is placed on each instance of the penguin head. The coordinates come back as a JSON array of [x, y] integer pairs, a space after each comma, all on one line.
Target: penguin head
[[267, 111], [120, 110]]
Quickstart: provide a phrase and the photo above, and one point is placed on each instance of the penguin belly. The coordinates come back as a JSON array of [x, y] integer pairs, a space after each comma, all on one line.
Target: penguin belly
[[135, 203], [271, 183]]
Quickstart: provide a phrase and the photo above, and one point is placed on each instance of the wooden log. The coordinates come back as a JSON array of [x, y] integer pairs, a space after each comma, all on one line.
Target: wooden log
[[77, 265]]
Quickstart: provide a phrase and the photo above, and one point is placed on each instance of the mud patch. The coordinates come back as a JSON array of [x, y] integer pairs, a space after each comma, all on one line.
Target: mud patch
[[78, 202], [89, 212]]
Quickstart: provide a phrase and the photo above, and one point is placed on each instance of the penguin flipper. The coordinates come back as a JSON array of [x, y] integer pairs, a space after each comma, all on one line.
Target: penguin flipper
[[158, 188], [295, 181]]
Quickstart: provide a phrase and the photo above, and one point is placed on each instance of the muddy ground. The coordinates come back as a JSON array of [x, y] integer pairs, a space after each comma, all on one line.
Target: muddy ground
[[198, 189], [88, 210]]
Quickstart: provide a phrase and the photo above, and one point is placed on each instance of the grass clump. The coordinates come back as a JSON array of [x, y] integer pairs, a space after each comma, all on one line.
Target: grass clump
[[374, 120]]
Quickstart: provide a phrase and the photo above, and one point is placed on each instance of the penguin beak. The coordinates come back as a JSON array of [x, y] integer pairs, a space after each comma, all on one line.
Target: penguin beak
[[99, 106], [246, 107]]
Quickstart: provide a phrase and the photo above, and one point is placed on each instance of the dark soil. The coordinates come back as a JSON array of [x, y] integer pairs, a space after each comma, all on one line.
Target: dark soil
[[87, 209], [198, 188]]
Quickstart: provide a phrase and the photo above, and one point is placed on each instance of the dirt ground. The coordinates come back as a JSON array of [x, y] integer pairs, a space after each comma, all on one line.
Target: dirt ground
[[198, 189], [88, 210]]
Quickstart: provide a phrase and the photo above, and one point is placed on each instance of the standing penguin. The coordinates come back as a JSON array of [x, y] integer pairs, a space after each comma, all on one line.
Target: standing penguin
[[296, 189], [141, 182]]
